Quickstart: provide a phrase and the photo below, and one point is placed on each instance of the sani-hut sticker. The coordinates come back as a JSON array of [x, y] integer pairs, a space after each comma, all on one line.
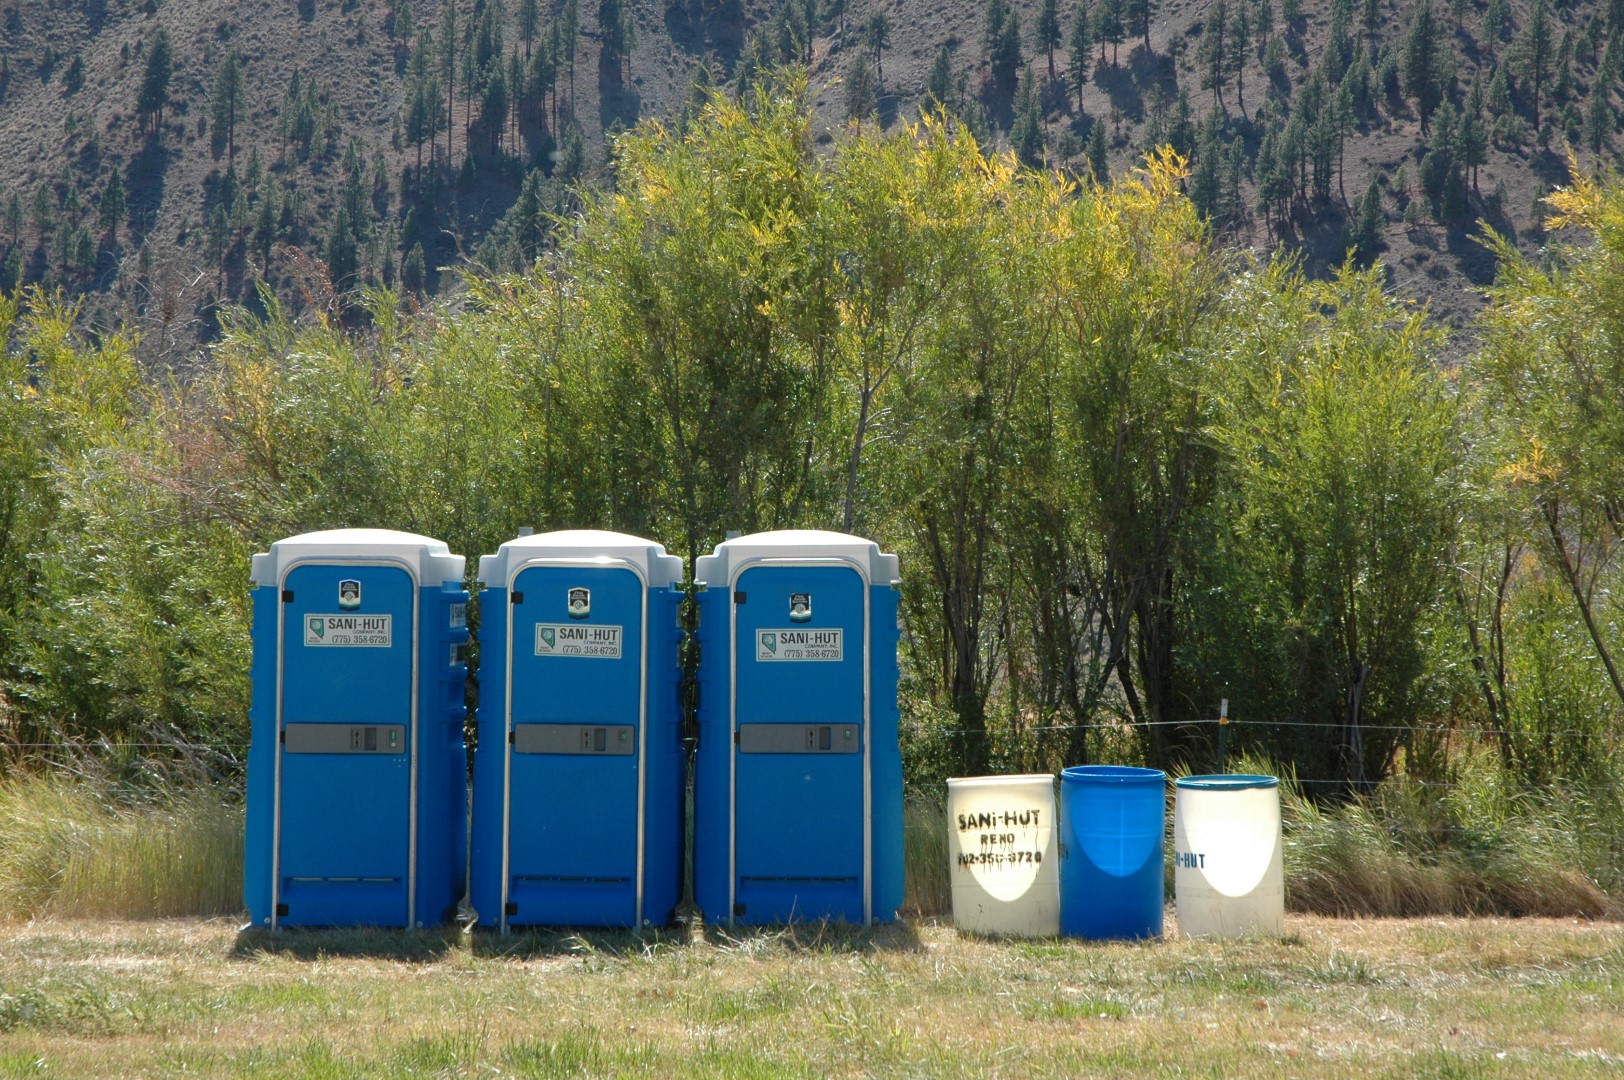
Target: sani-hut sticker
[[573, 639], [790, 644], [373, 631]]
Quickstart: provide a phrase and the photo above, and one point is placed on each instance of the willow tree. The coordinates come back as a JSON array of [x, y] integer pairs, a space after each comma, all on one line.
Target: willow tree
[[1135, 282], [1550, 368], [1328, 551], [701, 288]]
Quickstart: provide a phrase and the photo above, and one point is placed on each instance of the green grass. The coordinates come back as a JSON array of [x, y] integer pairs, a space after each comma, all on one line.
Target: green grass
[[1333, 998]]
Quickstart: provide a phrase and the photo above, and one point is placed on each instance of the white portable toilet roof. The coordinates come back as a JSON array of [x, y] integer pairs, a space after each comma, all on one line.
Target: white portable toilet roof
[[430, 558], [582, 546], [795, 545]]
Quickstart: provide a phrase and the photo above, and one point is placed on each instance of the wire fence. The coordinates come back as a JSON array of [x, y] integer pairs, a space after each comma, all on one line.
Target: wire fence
[[173, 754]]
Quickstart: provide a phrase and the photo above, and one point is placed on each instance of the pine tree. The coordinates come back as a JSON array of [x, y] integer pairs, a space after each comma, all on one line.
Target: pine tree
[[423, 115], [154, 93], [11, 270], [1535, 49], [1473, 136], [1048, 29], [1006, 57], [1239, 39], [1095, 153], [265, 230], [1422, 64], [1181, 132], [1294, 155], [1339, 39], [493, 110], [541, 79], [1364, 239], [1274, 60], [570, 32], [529, 21], [518, 93], [993, 26], [1499, 92], [14, 218], [1080, 43], [1026, 135], [343, 255], [939, 85], [112, 205], [1496, 21], [402, 28], [1139, 14], [413, 271], [1213, 56], [448, 69], [1206, 171], [227, 100], [1272, 185], [861, 88], [44, 211], [877, 36], [1108, 27], [701, 85], [1563, 85], [1598, 121], [616, 34]]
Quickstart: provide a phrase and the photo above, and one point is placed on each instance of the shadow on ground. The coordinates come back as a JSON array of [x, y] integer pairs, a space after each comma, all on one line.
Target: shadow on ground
[[374, 942]]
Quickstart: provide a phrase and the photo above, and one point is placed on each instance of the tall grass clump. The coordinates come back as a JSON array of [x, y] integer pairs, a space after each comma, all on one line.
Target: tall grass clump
[[1476, 845], [72, 846], [927, 889]]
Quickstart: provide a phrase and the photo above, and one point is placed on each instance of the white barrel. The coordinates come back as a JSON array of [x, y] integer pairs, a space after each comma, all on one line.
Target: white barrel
[[1228, 878], [1001, 855]]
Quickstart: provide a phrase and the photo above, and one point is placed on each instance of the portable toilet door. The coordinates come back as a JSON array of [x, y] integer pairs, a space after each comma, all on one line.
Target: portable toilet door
[[799, 793], [357, 775], [577, 773]]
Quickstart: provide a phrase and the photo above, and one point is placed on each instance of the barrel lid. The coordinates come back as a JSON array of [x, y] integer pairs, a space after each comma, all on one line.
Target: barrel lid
[[430, 558], [1111, 774], [999, 781], [581, 546], [791, 545], [1227, 781]]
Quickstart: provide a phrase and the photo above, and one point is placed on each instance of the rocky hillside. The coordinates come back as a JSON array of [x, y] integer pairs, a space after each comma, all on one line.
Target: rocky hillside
[[164, 157]]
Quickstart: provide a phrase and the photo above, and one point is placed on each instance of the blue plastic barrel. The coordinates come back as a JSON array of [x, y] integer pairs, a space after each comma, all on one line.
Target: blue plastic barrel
[[1111, 828]]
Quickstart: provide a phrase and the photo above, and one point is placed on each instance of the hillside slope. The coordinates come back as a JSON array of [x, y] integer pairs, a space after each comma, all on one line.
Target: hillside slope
[[317, 186]]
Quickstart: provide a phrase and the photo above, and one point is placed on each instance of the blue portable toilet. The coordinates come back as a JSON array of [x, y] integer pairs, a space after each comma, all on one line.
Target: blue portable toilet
[[578, 767], [798, 785], [357, 774]]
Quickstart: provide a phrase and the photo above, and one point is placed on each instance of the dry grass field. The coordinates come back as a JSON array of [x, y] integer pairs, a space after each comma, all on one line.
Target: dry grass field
[[1421, 997]]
